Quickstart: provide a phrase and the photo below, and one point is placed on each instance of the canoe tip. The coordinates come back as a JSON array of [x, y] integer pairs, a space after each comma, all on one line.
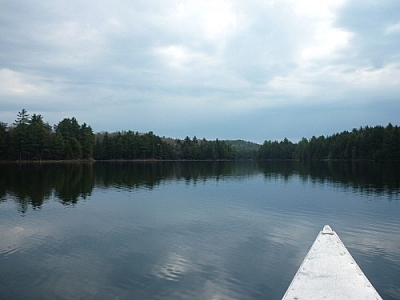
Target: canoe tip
[[327, 230]]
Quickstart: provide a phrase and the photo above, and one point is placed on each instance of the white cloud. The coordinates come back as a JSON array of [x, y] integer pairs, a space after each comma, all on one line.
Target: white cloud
[[214, 20], [372, 78], [326, 42], [334, 84], [393, 29], [316, 9], [290, 87], [20, 84], [180, 57]]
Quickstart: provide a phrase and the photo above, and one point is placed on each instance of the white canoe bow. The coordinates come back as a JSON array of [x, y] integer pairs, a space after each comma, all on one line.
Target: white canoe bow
[[329, 272]]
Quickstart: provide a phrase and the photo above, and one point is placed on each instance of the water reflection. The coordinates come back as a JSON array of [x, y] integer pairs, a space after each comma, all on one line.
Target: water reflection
[[364, 176], [32, 184], [189, 230], [136, 175]]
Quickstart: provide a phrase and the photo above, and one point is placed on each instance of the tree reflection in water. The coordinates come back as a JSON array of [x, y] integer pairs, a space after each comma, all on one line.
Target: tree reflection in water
[[32, 184]]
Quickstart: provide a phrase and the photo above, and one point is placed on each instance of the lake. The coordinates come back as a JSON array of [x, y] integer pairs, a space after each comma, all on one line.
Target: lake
[[189, 230]]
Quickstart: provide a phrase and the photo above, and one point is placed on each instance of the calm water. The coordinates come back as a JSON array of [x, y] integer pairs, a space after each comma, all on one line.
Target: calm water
[[189, 230]]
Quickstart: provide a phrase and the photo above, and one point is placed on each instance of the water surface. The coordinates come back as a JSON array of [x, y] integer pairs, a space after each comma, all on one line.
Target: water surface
[[189, 230]]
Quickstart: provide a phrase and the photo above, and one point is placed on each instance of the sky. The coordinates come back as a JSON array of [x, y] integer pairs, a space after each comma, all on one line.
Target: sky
[[251, 70]]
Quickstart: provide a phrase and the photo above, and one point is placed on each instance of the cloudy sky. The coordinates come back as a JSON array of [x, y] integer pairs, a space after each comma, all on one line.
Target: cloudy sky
[[253, 70]]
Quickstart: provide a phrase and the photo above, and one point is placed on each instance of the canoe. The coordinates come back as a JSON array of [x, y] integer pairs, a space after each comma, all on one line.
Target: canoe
[[329, 272]]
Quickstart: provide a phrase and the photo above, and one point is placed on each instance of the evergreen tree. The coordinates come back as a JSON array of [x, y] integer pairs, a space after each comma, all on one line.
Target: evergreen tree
[[39, 134], [86, 140], [4, 140], [20, 134]]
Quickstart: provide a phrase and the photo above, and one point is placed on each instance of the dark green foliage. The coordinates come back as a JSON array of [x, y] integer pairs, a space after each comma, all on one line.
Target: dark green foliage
[[39, 133], [4, 140], [32, 139], [244, 149], [20, 134], [73, 141], [194, 149], [277, 150], [366, 143], [130, 145]]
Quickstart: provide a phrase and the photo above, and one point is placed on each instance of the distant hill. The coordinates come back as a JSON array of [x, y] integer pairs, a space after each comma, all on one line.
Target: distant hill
[[244, 149]]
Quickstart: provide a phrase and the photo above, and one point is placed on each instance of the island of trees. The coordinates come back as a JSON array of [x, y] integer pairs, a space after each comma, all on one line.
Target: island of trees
[[30, 138]]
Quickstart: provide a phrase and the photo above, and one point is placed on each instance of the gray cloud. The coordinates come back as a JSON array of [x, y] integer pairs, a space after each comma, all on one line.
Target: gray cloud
[[201, 67], [376, 38]]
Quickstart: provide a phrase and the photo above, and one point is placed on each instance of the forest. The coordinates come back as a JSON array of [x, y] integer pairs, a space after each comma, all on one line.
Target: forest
[[29, 138], [134, 145], [366, 143]]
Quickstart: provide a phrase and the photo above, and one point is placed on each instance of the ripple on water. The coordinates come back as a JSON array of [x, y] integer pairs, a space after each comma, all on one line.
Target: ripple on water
[[375, 238], [174, 267], [23, 237]]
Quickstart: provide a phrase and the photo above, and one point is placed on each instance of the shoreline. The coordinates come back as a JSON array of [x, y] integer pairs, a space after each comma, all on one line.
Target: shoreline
[[85, 161], [91, 161]]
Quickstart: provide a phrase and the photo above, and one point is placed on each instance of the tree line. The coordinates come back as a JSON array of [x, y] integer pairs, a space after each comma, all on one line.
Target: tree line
[[365, 143], [245, 150], [134, 145], [30, 138]]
